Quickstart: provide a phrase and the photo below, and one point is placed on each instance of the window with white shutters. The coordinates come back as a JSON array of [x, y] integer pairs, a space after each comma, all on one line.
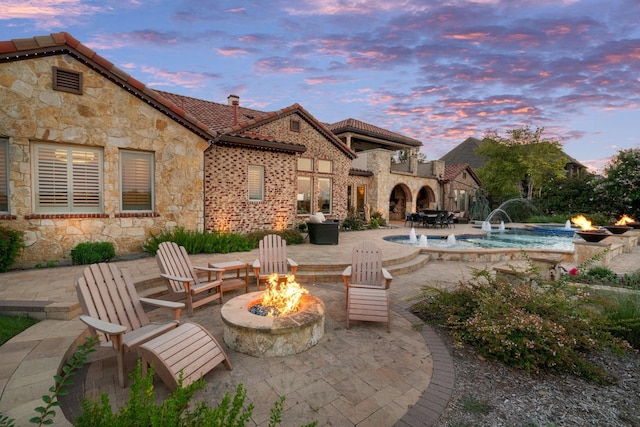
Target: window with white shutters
[[256, 183], [67, 179], [4, 175], [136, 172]]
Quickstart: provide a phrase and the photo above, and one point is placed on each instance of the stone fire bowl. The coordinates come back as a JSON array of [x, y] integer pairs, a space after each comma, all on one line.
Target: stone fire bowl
[[593, 236], [618, 229], [262, 336]]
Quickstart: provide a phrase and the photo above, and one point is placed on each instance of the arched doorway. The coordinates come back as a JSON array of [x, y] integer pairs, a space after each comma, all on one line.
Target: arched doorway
[[426, 199], [400, 196]]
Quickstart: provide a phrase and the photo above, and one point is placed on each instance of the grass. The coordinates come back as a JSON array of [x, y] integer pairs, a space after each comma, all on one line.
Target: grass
[[10, 326], [473, 405]]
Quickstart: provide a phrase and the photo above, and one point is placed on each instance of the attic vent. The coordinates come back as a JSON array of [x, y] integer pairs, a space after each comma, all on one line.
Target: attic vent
[[294, 125], [67, 80]]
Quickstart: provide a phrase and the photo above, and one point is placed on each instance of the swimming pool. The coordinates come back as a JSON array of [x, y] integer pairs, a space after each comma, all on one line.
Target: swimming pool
[[508, 239]]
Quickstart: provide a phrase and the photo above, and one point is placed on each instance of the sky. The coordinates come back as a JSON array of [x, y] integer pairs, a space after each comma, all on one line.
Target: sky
[[436, 71]]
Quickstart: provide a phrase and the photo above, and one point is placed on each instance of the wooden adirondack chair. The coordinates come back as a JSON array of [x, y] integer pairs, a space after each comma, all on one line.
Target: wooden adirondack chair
[[183, 280], [367, 284], [272, 258], [113, 310]]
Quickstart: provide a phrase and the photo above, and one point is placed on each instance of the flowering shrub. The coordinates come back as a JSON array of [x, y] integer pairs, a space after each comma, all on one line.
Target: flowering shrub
[[528, 326]]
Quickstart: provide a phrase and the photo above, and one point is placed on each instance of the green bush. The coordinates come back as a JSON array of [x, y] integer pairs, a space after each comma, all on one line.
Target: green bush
[[11, 244], [291, 236], [528, 326], [352, 222], [92, 252], [198, 242], [140, 409], [624, 315], [376, 220]]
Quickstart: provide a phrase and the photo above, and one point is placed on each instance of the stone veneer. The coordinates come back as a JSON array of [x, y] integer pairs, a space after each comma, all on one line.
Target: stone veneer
[[226, 195], [104, 116]]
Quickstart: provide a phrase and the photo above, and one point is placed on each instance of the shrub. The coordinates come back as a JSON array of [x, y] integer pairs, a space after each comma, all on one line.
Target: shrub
[[291, 236], [140, 409], [376, 220], [10, 245], [528, 326], [352, 222], [92, 252], [197, 242], [624, 314]]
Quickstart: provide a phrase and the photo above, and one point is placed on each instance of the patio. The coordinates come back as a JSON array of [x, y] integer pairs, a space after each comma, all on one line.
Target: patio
[[362, 376]]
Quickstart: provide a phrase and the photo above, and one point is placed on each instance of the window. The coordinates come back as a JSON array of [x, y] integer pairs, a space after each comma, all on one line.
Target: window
[[294, 125], [325, 166], [67, 80], [67, 179], [256, 183], [324, 195], [360, 193], [4, 175], [305, 164], [136, 174], [304, 195]]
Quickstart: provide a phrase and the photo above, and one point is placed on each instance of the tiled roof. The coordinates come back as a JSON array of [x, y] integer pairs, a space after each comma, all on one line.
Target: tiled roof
[[211, 121], [215, 115], [453, 171], [357, 126], [65, 43]]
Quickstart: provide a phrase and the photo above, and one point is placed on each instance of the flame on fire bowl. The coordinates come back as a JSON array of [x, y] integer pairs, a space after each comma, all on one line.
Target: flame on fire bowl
[[263, 336], [593, 236], [618, 229]]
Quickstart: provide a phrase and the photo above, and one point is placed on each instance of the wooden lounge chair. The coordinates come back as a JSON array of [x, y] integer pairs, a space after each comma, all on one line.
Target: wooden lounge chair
[[183, 280], [272, 258], [189, 350], [367, 284], [113, 310]]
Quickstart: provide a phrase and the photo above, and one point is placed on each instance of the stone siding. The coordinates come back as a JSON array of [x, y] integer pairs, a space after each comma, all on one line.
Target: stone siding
[[107, 117]]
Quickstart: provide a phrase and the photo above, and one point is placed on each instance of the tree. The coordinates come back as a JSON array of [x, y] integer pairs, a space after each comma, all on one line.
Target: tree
[[570, 195], [402, 156], [621, 184], [521, 164]]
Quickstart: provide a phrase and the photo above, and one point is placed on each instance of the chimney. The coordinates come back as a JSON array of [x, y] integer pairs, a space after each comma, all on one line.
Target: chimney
[[234, 100]]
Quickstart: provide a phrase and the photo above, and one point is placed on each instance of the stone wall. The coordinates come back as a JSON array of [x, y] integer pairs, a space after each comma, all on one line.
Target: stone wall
[[226, 196], [104, 116], [384, 181]]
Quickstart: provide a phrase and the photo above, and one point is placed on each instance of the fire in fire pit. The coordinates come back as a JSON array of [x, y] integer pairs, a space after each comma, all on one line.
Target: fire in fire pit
[[589, 232], [281, 297]]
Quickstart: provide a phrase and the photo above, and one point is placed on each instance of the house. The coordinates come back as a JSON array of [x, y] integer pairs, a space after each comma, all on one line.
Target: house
[[88, 153], [463, 184], [465, 152], [392, 188]]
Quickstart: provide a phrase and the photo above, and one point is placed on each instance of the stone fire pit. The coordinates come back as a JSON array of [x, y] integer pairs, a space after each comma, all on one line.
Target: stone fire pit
[[262, 336]]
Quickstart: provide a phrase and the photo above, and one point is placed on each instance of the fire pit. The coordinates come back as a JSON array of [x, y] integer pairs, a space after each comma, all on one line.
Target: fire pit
[[624, 224], [618, 229], [588, 232], [268, 335], [593, 236]]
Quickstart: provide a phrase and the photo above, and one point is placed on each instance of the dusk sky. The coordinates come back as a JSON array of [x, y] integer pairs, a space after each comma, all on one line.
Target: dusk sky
[[436, 71]]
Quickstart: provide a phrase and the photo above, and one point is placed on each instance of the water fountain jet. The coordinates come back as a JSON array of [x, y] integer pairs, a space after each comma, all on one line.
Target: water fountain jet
[[412, 236]]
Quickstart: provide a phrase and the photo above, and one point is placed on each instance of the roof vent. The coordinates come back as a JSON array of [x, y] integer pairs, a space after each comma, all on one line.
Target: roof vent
[[67, 80]]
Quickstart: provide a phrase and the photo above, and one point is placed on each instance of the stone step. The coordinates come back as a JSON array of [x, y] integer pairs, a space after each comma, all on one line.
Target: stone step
[[307, 273]]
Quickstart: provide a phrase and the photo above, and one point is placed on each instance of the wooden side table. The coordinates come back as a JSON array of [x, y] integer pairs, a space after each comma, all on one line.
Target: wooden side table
[[233, 282]]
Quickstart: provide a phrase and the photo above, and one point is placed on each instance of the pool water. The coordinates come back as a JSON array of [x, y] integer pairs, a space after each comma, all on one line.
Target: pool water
[[496, 240]]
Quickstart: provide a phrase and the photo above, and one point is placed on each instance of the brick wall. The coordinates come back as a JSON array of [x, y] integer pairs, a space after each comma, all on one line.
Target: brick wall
[[226, 195]]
